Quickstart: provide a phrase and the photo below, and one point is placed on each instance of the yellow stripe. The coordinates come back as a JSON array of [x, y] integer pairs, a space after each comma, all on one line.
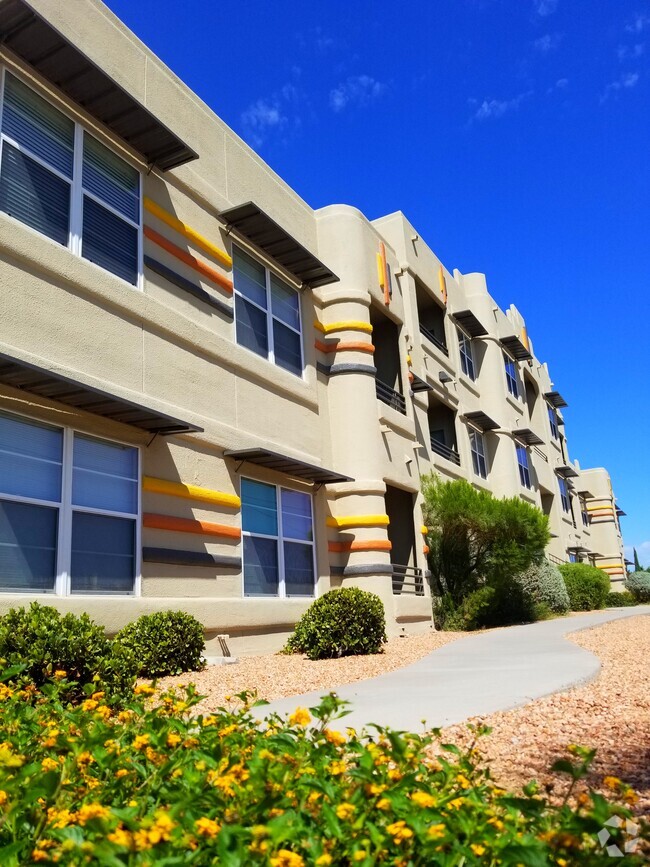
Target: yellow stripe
[[352, 325], [189, 492], [359, 521], [187, 231], [424, 529], [381, 270]]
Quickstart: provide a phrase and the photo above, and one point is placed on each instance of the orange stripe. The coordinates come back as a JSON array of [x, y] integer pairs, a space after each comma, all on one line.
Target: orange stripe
[[188, 259], [425, 549], [187, 525], [352, 346], [360, 545]]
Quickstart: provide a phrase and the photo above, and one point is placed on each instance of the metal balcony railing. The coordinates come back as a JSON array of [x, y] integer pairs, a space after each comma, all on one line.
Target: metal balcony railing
[[557, 560], [409, 579], [431, 337], [389, 396], [445, 451]]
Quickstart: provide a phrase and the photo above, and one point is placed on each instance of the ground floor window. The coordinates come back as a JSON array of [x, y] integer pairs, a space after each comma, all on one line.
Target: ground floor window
[[278, 541], [69, 511]]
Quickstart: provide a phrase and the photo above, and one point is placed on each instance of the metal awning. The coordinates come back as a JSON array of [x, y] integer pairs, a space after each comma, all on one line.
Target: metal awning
[[629, 562], [586, 495], [480, 420], [287, 466], [54, 386], [251, 221], [418, 384], [32, 38], [555, 399], [527, 436], [620, 512], [514, 346], [567, 471], [578, 549], [469, 323]]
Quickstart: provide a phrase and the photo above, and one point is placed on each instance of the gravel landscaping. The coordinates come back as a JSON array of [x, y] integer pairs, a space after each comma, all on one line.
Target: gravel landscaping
[[277, 676], [610, 714]]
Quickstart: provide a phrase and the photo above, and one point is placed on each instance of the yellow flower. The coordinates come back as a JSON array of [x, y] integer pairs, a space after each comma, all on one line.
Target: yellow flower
[[423, 799], [375, 788], [9, 760], [92, 811], [345, 810], [399, 831], [300, 717], [360, 855], [49, 764], [39, 855], [395, 774], [59, 818], [89, 704], [323, 860], [383, 804], [612, 782], [436, 831], [207, 827], [140, 741], [463, 781], [337, 768], [121, 772], [227, 730], [3, 796], [104, 711], [132, 803], [286, 858], [173, 739], [259, 830], [85, 758], [498, 824], [313, 797], [208, 721], [477, 849], [144, 689], [265, 754], [334, 737], [59, 674], [121, 837], [457, 803]]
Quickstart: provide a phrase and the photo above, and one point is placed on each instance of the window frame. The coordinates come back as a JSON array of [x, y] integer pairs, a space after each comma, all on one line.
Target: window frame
[[564, 495], [279, 539], [524, 466], [478, 454], [66, 510], [466, 350], [268, 273], [75, 183], [512, 383], [553, 422]]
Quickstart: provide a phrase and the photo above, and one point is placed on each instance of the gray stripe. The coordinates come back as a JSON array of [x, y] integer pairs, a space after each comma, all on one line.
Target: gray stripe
[[189, 558], [335, 369], [336, 570], [188, 286], [369, 569]]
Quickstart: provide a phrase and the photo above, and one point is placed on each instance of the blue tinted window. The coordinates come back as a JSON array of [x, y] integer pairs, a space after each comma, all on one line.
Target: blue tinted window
[[259, 508], [31, 457], [28, 540], [524, 469], [260, 566], [103, 554]]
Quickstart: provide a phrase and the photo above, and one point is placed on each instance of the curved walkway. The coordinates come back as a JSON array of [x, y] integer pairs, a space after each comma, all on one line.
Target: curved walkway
[[473, 676]]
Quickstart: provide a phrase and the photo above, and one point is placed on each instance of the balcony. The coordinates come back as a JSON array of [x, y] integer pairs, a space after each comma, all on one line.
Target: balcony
[[390, 397], [445, 451], [431, 337], [408, 579]]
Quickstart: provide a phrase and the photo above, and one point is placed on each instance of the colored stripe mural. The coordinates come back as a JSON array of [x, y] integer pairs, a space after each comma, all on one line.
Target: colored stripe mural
[[187, 232]]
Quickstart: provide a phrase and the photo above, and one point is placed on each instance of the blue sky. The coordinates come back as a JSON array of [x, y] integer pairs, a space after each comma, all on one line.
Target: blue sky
[[513, 134]]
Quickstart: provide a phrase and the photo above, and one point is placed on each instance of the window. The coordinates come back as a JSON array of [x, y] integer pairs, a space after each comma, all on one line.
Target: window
[[573, 558], [511, 375], [584, 513], [477, 447], [267, 313], [564, 495], [552, 417], [278, 534], [524, 467], [64, 183], [69, 507], [466, 354]]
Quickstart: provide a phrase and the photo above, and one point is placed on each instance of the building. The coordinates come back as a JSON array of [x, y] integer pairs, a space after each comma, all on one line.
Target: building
[[213, 397]]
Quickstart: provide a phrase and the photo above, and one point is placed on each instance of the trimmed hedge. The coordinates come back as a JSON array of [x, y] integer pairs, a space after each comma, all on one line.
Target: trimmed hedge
[[166, 642], [638, 583], [619, 599], [544, 583], [343, 622], [586, 585]]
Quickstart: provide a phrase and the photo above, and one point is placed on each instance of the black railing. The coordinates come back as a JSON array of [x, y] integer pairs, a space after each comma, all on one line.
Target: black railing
[[389, 396], [442, 346], [445, 451], [409, 579]]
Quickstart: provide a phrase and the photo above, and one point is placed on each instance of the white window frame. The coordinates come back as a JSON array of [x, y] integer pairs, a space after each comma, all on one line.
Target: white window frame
[[524, 468], [512, 382], [66, 508], [477, 452], [467, 362], [280, 539], [77, 191], [269, 312]]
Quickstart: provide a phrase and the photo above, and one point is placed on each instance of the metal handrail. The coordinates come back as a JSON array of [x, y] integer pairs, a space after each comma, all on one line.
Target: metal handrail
[[557, 560], [400, 573], [445, 451], [433, 339], [539, 452], [389, 396]]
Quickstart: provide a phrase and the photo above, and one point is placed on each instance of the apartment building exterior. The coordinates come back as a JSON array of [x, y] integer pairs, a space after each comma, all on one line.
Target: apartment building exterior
[[213, 397]]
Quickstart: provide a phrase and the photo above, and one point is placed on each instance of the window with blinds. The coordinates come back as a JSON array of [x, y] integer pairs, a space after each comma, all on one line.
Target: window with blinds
[[61, 181]]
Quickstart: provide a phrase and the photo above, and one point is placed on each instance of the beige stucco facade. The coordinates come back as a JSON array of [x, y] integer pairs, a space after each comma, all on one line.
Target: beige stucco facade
[[162, 345]]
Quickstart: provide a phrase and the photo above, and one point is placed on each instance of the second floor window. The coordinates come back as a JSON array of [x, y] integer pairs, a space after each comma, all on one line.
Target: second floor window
[[552, 418], [477, 448], [267, 313], [564, 496], [63, 182], [466, 354], [524, 466], [511, 375]]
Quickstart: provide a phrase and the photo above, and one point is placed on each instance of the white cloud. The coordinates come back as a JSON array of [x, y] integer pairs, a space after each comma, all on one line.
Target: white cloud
[[261, 118], [356, 90], [625, 82], [560, 84], [548, 42], [639, 24], [545, 7], [630, 52], [493, 108]]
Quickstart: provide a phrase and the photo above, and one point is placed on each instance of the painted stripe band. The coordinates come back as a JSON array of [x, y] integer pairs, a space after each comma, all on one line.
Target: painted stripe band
[[337, 369], [189, 492], [347, 325], [360, 545], [368, 569], [352, 346], [189, 525], [187, 258], [187, 231], [189, 558], [359, 521], [188, 286]]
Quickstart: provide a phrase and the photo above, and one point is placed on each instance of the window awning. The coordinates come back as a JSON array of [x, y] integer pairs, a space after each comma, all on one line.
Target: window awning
[[578, 549], [527, 436], [470, 323], [584, 493], [620, 512], [34, 40], [46, 383], [515, 347], [287, 466], [566, 471], [418, 384], [251, 221], [555, 399], [481, 420]]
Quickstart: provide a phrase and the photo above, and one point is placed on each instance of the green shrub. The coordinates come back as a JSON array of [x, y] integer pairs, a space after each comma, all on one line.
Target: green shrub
[[638, 583], [586, 585], [43, 642], [344, 622], [544, 583], [504, 604], [155, 785], [166, 642], [619, 599]]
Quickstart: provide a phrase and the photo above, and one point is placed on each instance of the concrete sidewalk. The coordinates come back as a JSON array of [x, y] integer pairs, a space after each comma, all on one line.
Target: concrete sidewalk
[[473, 676]]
